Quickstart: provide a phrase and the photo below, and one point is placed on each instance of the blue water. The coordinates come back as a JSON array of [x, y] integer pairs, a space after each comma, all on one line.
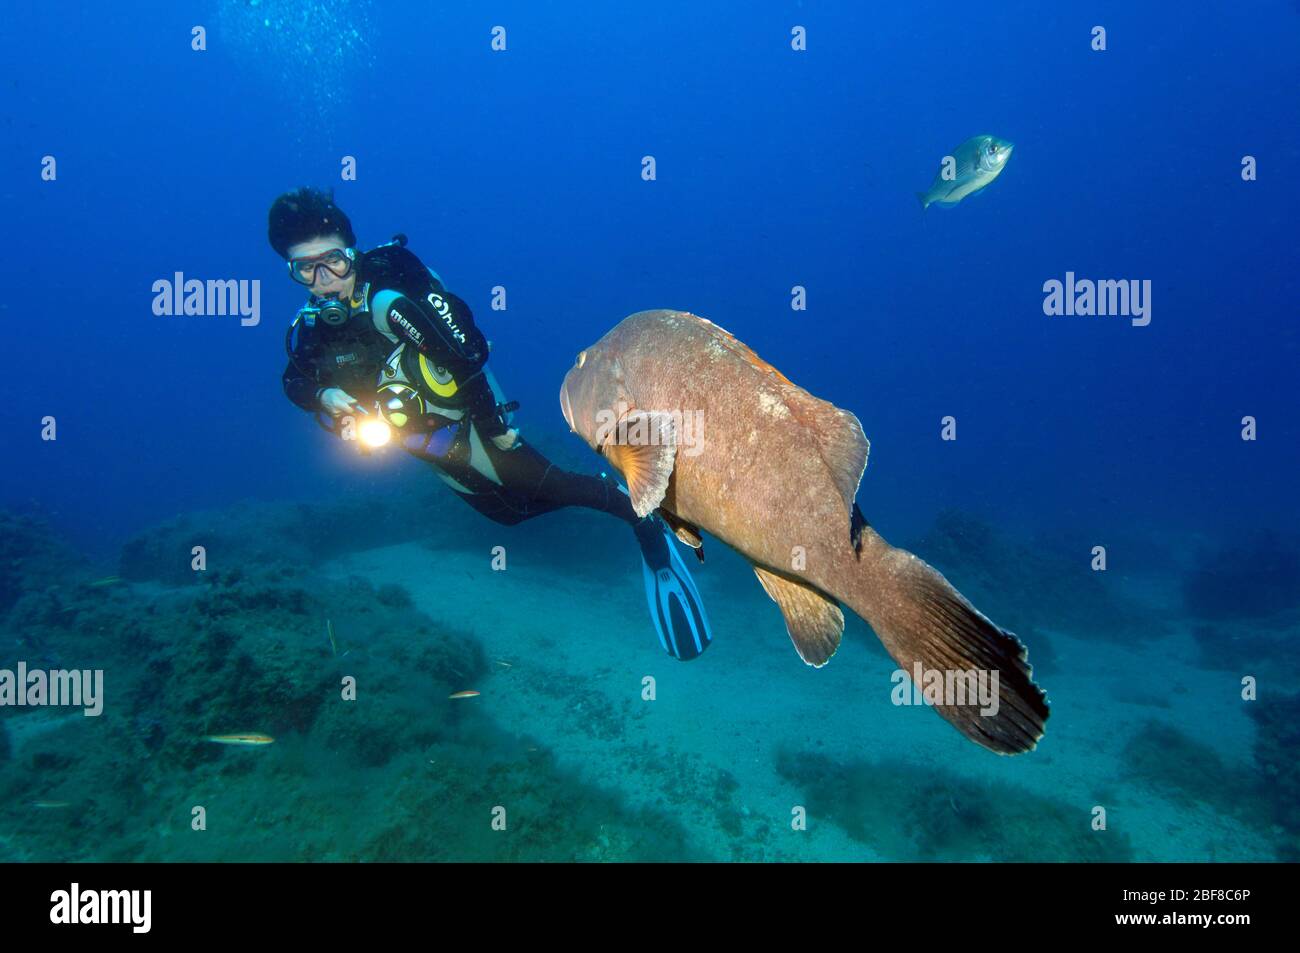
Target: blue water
[[775, 168]]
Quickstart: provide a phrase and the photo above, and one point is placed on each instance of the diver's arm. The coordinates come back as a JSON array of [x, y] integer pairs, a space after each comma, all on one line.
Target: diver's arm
[[441, 327], [480, 404], [301, 389], [312, 398], [436, 330], [308, 387]]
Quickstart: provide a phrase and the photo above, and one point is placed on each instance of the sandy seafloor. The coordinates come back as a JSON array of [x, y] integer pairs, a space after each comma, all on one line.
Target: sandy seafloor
[[750, 699], [558, 645]]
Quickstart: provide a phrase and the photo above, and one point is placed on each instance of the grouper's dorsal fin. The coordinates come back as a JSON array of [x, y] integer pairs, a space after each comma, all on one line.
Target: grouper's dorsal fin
[[844, 448], [840, 441], [643, 447], [813, 619], [737, 346], [843, 445]]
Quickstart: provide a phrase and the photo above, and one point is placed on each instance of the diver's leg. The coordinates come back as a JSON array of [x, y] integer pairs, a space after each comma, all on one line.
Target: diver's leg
[[527, 475], [513, 485], [531, 485], [496, 507], [481, 493]]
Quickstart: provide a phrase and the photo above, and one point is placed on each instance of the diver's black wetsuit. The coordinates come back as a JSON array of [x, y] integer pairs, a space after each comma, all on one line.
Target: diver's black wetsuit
[[405, 325]]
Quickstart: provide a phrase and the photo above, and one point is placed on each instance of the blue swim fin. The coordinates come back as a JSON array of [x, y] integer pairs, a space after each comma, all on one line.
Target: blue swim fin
[[676, 608]]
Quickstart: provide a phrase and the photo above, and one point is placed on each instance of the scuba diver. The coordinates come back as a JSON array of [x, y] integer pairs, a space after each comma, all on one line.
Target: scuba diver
[[382, 340]]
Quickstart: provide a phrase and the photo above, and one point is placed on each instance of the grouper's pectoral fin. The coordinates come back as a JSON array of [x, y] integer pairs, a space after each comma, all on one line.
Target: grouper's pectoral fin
[[812, 618], [643, 447]]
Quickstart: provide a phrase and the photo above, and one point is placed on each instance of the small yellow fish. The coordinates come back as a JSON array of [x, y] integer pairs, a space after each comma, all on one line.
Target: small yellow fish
[[249, 740], [106, 581], [468, 694]]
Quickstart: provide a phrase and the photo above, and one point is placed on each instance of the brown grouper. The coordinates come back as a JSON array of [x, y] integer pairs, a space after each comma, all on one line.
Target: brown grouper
[[720, 442]]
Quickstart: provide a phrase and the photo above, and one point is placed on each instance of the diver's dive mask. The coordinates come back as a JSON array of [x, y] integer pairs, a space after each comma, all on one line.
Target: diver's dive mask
[[338, 261]]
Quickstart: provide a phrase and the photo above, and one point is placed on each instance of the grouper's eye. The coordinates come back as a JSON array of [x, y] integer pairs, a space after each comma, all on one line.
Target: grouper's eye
[[582, 358]]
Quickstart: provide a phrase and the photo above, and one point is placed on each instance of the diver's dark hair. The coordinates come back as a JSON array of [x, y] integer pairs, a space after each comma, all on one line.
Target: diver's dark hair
[[303, 215]]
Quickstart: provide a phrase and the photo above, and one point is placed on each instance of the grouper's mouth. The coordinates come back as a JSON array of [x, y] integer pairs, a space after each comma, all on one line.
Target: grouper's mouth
[[564, 406]]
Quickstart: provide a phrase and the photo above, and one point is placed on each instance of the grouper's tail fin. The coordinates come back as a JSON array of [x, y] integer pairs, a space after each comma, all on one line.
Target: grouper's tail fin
[[922, 619]]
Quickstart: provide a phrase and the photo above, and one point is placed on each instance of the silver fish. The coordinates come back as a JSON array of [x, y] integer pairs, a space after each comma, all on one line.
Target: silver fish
[[976, 162]]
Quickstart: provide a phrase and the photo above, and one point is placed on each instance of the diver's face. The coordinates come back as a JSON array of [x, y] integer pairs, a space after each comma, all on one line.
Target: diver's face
[[325, 283]]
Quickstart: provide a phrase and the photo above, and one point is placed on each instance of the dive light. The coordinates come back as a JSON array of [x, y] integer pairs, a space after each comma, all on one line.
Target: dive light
[[373, 430]]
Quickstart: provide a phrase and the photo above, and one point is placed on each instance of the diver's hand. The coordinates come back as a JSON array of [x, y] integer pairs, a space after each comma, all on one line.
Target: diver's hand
[[337, 401], [507, 440]]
